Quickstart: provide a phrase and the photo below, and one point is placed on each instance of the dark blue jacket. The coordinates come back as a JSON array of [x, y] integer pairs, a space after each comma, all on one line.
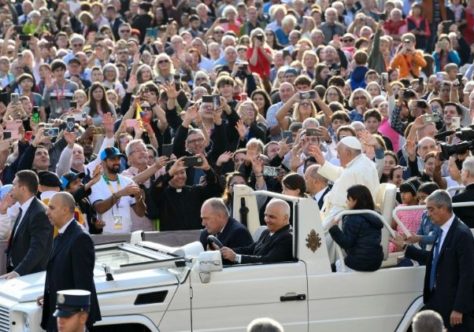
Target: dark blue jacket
[[360, 237]]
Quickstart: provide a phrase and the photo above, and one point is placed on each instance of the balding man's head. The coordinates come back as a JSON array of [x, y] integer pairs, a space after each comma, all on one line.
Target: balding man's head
[[314, 181], [214, 215], [61, 208], [277, 214], [425, 145]]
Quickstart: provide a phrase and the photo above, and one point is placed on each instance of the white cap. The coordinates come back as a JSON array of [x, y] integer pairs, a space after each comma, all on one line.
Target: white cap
[[351, 142]]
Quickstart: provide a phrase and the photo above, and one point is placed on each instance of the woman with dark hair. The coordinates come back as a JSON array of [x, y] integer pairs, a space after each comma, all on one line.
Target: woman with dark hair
[[272, 40], [294, 185], [361, 234], [230, 181], [261, 98], [444, 54], [98, 104]]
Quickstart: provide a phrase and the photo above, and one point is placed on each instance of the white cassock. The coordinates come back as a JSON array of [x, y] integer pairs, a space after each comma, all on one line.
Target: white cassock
[[361, 170]]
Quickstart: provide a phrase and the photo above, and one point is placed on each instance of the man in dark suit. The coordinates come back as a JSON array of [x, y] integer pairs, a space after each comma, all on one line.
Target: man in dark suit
[[274, 245], [449, 277], [217, 221], [71, 264], [317, 186], [467, 176], [30, 243]]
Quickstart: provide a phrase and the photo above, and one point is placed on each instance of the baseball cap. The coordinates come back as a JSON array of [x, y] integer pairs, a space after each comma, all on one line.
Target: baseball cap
[[67, 178], [110, 153], [49, 179]]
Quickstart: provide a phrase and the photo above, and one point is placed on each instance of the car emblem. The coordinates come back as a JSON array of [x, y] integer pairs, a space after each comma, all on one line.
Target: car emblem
[[61, 299], [313, 241]]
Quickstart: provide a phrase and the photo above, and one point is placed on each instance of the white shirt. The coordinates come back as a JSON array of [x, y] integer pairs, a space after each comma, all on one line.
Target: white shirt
[[65, 226], [101, 191], [24, 207], [445, 228], [320, 193]]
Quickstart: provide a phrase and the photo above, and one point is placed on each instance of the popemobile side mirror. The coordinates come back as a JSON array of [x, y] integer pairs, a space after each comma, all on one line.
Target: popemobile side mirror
[[209, 261]]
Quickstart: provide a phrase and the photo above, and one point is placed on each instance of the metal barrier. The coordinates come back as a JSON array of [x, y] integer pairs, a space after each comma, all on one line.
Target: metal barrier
[[418, 207], [353, 212]]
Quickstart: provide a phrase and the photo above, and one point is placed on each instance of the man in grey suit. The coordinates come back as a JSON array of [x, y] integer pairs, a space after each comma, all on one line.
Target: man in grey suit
[[31, 240]]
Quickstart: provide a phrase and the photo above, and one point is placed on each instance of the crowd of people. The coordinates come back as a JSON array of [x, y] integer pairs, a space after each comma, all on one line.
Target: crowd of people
[[144, 110]]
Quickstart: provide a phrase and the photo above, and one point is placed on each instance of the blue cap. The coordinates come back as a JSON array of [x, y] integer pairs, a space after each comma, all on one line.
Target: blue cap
[[110, 153], [4, 190], [67, 178]]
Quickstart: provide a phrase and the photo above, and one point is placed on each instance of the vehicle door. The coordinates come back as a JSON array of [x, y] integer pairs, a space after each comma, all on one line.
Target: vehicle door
[[238, 294]]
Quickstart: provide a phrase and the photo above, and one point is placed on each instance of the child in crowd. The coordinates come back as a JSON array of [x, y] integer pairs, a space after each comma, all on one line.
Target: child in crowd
[[411, 219]]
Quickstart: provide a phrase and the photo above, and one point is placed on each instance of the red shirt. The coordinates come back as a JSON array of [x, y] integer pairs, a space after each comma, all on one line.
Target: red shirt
[[262, 66]]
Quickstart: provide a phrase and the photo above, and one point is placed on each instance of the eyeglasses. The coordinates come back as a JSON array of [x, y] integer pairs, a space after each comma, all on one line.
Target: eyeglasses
[[196, 140], [359, 97], [347, 40], [77, 45], [219, 32], [124, 31], [146, 108], [163, 61], [200, 78], [333, 94]]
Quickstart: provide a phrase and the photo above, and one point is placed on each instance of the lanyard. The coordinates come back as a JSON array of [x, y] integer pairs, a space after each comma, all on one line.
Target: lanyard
[[119, 187], [60, 96]]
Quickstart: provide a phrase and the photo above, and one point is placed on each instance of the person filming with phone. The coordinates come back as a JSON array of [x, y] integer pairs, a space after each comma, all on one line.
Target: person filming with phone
[[408, 60]]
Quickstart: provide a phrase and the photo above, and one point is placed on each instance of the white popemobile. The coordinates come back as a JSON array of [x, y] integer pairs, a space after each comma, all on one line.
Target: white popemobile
[[145, 286]]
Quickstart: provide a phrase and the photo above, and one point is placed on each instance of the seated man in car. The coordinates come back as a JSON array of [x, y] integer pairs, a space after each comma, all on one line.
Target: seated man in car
[[217, 221], [274, 245]]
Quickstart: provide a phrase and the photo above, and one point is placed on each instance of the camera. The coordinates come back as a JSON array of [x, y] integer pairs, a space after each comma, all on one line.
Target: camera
[[216, 99], [70, 124], [193, 161], [51, 132], [259, 37], [308, 95], [448, 150], [465, 134]]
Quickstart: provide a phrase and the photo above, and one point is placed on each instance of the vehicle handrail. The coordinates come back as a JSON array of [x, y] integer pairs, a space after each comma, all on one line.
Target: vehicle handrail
[[419, 207], [353, 212], [277, 195]]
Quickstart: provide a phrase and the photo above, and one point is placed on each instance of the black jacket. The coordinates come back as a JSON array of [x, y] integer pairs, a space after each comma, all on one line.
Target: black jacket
[[179, 209], [454, 274], [233, 235], [269, 248], [70, 266], [360, 237], [465, 213], [31, 243]]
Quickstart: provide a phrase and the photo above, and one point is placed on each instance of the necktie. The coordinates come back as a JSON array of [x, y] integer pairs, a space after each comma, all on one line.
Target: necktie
[[434, 263], [57, 240]]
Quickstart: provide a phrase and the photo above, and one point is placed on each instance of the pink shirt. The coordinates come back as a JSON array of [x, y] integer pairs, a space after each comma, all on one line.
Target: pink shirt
[[411, 219], [386, 129]]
